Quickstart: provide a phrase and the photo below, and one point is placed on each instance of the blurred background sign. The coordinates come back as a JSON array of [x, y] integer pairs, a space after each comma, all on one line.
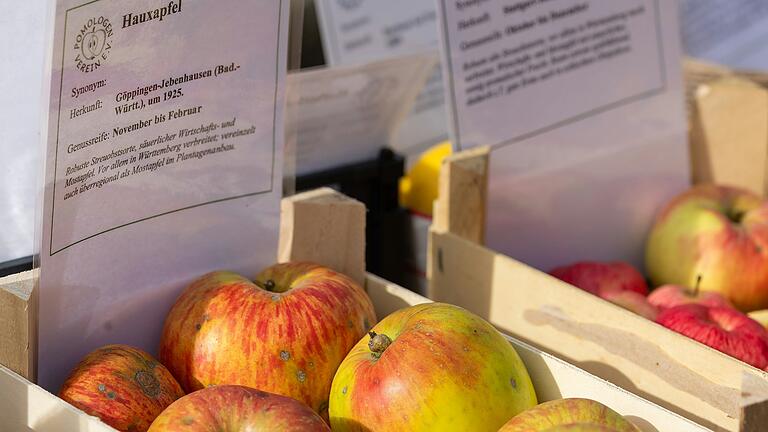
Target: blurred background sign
[[730, 32], [344, 115], [358, 31]]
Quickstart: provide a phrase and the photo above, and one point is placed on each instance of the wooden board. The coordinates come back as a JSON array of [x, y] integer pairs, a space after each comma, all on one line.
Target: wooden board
[[729, 134], [25, 407], [18, 323], [728, 126], [326, 227], [463, 191]]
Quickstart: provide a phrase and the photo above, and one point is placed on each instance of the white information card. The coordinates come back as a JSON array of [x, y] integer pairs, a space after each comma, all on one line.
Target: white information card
[[359, 31], [582, 104], [165, 140]]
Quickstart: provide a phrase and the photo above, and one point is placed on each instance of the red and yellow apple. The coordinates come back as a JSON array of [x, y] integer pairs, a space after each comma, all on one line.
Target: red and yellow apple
[[430, 367], [123, 386], [634, 302], [237, 408], [579, 427], [722, 328], [600, 278], [667, 296], [717, 233], [618, 282], [285, 333], [573, 414]]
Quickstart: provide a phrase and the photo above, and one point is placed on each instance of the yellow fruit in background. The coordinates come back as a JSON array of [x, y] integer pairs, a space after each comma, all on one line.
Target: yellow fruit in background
[[418, 189]]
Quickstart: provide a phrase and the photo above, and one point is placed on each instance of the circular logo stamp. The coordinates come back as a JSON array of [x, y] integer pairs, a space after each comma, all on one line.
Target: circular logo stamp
[[92, 44]]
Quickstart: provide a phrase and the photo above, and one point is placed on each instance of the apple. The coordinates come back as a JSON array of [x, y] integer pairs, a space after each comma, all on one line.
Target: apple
[[284, 333], [237, 408], [580, 427], [719, 233], [430, 367], [572, 414], [722, 328], [599, 278], [123, 386], [667, 296], [634, 302]]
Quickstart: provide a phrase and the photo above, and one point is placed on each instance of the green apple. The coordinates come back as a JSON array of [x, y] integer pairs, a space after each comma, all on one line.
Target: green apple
[[430, 367]]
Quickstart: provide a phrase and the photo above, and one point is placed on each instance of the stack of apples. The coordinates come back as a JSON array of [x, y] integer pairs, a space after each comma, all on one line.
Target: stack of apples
[[298, 349], [707, 256]]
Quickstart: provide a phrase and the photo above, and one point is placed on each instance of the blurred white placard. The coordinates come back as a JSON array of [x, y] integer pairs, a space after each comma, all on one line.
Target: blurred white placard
[[358, 31], [730, 32], [21, 80], [164, 162], [343, 115], [582, 104]]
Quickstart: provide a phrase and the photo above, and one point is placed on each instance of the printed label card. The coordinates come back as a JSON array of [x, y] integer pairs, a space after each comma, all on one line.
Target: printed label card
[[164, 162], [582, 104]]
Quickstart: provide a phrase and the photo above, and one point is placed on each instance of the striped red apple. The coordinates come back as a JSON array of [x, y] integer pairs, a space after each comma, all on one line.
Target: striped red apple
[[667, 296], [601, 278], [722, 328], [617, 282], [237, 408], [286, 332], [124, 386]]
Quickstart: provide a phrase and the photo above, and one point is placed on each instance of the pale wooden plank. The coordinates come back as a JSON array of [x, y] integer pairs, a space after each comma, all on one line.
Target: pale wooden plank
[[18, 323], [462, 194], [27, 407], [729, 134], [754, 404], [325, 227], [697, 71]]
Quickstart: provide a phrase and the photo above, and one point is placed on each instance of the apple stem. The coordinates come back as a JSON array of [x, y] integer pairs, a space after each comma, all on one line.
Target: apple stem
[[698, 285], [269, 285], [378, 343], [736, 216]]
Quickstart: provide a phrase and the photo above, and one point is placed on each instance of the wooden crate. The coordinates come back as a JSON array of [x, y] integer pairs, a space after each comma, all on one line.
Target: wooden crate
[[306, 234], [639, 355]]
